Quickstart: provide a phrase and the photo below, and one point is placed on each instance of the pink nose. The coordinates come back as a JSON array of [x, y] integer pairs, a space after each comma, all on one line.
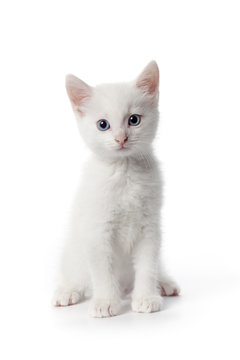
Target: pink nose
[[121, 139]]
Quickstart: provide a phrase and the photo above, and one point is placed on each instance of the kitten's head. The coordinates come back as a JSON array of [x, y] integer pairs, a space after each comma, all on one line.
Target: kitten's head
[[117, 119]]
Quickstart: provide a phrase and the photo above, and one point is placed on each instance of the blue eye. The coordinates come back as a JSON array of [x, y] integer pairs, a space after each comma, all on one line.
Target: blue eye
[[103, 125], [134, 120]]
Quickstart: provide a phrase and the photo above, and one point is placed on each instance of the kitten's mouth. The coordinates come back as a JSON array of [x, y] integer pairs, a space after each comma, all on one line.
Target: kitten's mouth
[[122, 148]]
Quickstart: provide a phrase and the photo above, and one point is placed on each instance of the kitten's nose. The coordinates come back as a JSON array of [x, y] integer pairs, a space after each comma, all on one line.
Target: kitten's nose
[[121, 139]]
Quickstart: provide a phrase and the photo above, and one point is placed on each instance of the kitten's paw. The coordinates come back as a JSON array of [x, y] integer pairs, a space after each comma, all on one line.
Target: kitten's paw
[[66, 297], [147, 304], [104, 307], [169, 288]]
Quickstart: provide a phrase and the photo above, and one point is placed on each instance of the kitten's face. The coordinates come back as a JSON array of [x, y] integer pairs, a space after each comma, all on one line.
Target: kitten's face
[[117, 120]]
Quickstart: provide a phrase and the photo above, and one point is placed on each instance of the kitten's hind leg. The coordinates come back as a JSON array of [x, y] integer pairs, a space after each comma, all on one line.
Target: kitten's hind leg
[[168, 287], [64, 296]]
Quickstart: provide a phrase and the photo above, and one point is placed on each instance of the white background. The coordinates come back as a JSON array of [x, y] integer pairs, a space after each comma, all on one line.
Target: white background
[[196, 44]]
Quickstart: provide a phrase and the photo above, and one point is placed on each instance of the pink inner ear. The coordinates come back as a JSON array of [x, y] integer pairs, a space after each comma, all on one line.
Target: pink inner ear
[[78, 92], [148, 80], [149, 84], [76, 95]]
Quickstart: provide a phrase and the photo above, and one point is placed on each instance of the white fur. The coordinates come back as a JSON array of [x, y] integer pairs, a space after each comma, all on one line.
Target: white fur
[[114, 236]]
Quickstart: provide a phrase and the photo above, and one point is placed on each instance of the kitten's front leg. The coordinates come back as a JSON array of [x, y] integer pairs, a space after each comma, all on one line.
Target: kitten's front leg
[[146, 296], [106, 298]]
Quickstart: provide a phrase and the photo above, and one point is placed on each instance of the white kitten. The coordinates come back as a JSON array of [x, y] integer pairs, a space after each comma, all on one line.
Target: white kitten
[[114, 238]]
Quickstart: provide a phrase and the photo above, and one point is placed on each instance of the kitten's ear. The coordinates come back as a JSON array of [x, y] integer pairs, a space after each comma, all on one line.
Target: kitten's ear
[[78, 91], [148, 80]]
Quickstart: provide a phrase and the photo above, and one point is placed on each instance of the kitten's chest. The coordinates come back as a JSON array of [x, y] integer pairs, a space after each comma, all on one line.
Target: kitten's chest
[[127, 190], [120, 192]]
